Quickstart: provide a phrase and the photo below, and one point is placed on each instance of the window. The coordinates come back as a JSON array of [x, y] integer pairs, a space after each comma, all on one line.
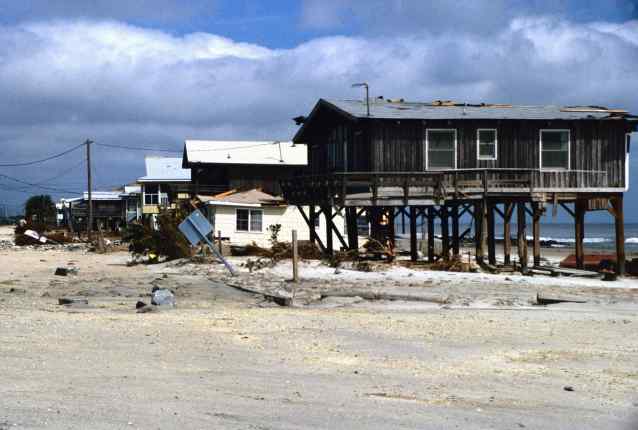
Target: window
[[249, 220], [486, 142], [554, 149], [441, 147], [151, 194]]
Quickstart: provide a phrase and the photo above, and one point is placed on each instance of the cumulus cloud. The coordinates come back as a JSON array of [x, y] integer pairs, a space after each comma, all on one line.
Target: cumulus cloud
[[66, 81]]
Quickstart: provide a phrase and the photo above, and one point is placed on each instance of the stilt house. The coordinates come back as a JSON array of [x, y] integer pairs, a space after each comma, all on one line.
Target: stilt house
[[444, 159]]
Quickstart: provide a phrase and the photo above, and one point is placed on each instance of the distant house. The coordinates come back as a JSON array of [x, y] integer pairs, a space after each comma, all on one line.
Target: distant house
[[108, 211], [132, 202], [219, 165], [164, 183], [244, 217]]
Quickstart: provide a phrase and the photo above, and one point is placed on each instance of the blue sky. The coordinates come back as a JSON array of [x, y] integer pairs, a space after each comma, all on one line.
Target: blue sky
[[154, 72]]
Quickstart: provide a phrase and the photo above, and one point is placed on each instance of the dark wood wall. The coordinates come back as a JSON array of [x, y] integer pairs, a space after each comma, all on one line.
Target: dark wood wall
[[390, 145], [242, 177]]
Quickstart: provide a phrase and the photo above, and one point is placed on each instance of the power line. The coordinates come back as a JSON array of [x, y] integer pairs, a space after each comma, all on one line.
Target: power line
[[36, 185], [30, 163], [137, 148]]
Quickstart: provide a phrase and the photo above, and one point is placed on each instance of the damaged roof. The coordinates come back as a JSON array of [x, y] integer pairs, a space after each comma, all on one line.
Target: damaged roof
[[244, 152], [163, 169], [400, 109], [442, 109], [252, 197]]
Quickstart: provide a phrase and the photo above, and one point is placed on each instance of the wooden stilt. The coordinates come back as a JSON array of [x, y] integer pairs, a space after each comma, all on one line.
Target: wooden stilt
[[351, 224], [491, 240], [619, 217], [430, 234], [579, 233], [521, 235], [455, 230], [480, 229], [445, 233], [327, 213], [507, 233], [311, 224], [536, 232], [414, 252]]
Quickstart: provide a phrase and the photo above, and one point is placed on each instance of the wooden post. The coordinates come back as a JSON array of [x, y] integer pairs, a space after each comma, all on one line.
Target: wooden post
[[445, 233], [491, 240], [353, 232], [455, 230], [219, 241], [414, 254], [430, 234], [579, 233], [295, 258], [507, 233], [536, 232], [619, 217], [479, 228], [327, 213], [312, 215], [521, 235]]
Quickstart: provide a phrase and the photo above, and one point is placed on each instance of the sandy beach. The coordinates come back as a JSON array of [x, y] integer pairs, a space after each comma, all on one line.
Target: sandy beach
[[486, 358]]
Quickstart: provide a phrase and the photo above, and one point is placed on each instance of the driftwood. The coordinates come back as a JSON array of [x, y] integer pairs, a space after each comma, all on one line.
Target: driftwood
[[543, 301], [372, 295], [280, 300]]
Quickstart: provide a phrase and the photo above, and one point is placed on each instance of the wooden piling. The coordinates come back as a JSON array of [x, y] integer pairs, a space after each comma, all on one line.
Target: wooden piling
[[536, 232], [445, 232], [430, 216], [480, 231], [327, 213], [521, 235], [619, 218], [353, 231], [311, 225], [579, 233], [455, 230], [414, 252], [491, 240], [507, 233]]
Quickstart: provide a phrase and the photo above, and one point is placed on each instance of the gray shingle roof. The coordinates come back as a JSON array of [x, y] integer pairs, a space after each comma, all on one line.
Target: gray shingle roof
[[384, 109]]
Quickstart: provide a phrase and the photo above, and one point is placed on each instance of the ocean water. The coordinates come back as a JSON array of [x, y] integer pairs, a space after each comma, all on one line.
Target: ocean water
[[598, 236]]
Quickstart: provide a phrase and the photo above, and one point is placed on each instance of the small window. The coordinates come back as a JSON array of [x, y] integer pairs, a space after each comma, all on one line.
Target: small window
[[151, 194], [486, 141], [255, 220], [554, 149], [441, 147], [249, 220]]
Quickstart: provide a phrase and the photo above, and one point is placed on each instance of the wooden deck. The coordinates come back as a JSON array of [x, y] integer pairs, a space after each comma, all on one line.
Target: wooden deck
[[434, 187]]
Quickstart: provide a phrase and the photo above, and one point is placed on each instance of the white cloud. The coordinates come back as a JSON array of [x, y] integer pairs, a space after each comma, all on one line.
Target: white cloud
[[65, 81]]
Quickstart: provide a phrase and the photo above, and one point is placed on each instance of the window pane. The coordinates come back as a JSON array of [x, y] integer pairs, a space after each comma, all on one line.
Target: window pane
[[441, 159], [440, 139], [242, 220], [555, 140], [487, 136], [555, 159], [487, 150], [255, 220]]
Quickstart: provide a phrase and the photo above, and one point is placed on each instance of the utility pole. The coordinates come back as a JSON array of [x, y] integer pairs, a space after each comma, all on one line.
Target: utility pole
[[89, 227]]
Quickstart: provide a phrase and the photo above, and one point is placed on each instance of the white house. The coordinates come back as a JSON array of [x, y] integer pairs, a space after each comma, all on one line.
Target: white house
[[165, 182], [244, 217]]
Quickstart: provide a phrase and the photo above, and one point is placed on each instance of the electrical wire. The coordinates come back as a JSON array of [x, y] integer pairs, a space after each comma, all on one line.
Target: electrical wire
[[30, 184], [136, 148], [52, 157]]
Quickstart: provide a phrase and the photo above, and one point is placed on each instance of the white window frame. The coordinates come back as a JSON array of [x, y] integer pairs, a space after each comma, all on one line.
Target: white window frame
[[478, 144], [427, 147], [158, 194], [540, 150], [250, 215]]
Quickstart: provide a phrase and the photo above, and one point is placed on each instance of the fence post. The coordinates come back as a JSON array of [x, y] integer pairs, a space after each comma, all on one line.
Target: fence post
[[295, 258]]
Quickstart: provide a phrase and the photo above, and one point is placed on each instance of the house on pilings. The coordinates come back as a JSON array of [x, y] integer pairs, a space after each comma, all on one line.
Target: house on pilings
[[441, 160]]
